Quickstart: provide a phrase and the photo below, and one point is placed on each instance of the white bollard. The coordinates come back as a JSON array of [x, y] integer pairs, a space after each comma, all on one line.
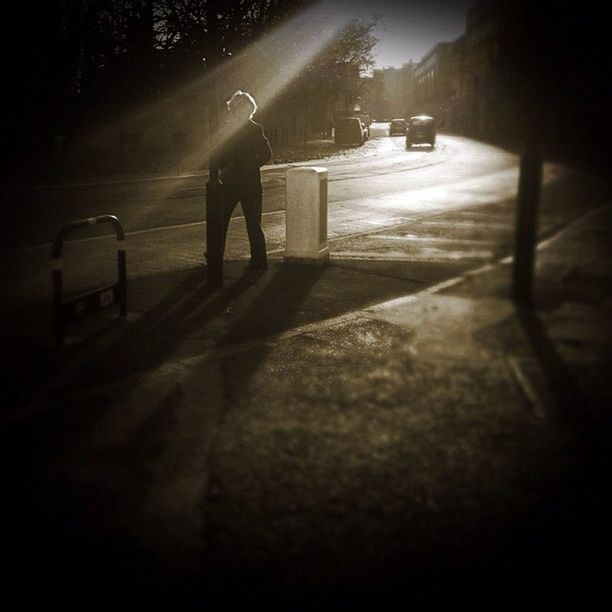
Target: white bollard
[[306, 216]]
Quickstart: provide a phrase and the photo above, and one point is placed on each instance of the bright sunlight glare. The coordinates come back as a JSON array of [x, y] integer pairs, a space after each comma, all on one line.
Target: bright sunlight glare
[[265, 69]]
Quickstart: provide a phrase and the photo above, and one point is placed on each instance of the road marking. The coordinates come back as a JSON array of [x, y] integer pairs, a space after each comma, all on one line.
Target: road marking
[[469, 224], [436, 239], [150, 230], [444, 257], [58, 186]]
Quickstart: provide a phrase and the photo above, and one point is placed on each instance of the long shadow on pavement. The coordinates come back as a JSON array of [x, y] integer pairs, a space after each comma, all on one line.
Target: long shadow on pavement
[[67, 527], [55, 522], [557, 552]]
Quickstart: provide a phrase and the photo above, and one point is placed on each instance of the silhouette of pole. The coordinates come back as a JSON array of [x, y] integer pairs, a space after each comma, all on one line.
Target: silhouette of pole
[[528, 198], [214, 188], [531, 68]]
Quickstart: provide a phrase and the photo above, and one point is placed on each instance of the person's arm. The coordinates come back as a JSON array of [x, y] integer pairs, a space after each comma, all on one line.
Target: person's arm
[[263, 152]]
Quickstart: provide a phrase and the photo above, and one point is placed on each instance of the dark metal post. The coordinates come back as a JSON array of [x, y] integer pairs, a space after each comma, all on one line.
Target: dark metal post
[[528, 198], [122, 277], [58, 301], [215, 226]]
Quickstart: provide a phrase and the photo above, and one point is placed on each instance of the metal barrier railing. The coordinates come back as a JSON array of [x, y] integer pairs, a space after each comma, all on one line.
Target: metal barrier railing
[[96, 299]]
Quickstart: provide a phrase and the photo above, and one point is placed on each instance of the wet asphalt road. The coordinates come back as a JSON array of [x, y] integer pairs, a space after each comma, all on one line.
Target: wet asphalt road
[[382, 169]]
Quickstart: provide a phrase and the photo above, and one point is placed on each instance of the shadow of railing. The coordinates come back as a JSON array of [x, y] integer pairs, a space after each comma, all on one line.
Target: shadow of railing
[[151, 340]]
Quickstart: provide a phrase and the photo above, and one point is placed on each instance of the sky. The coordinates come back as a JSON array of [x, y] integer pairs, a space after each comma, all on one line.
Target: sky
[[408, 28]]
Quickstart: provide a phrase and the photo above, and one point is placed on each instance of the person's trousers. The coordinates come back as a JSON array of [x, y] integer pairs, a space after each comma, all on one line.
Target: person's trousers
[[251, 207]]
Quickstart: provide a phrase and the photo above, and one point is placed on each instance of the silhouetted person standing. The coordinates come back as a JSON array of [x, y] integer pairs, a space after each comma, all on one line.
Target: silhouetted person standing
[[240, 160]]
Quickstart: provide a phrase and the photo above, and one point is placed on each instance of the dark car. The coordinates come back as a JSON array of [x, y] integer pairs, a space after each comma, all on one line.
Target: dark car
[[421, 130], [397, 126], [350, 131]]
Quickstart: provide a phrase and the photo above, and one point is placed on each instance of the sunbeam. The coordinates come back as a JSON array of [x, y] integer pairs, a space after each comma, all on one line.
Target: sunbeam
[[266, 69]]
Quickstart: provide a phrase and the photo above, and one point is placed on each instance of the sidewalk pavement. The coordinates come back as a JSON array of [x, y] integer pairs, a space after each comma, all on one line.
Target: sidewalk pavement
[[322, 436]]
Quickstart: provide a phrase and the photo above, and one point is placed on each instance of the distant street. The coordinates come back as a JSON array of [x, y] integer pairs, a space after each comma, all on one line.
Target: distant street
[[382, 170]]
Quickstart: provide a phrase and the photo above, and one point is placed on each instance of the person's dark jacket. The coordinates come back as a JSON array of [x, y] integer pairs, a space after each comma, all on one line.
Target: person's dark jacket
[[241, 157]]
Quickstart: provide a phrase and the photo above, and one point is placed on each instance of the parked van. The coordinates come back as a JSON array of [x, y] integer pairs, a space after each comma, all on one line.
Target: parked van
[[350, 131], [365, 119]]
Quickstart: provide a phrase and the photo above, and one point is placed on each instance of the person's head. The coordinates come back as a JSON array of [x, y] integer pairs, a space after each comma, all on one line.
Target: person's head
[[242, 105]]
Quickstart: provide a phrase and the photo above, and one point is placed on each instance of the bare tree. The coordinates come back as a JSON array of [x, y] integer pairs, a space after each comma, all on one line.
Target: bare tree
[[334, 78]]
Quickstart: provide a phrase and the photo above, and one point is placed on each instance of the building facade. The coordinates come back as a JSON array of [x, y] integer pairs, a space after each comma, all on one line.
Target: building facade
[[391, 92], [433, 84]]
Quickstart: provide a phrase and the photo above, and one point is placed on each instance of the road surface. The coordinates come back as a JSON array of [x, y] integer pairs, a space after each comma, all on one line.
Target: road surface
[[380, 170], [450, 207]]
